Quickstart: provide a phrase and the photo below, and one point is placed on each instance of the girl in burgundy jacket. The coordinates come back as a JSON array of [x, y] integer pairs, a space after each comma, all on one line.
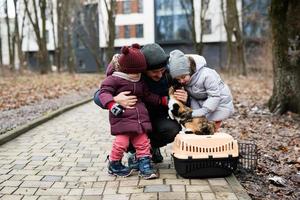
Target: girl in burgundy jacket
[[129, 125]]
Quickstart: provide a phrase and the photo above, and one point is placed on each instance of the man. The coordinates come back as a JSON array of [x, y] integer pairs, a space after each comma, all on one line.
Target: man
[[158, 81]]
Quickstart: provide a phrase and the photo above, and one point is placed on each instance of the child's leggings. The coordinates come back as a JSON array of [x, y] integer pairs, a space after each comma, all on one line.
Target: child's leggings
[[140, 142]]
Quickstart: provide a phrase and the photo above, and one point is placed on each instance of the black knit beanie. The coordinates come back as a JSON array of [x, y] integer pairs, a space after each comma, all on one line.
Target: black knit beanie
[[155, 56]]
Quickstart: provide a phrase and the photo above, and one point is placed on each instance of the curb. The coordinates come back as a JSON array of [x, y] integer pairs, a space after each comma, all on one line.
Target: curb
[[24, 128], [237, 188]]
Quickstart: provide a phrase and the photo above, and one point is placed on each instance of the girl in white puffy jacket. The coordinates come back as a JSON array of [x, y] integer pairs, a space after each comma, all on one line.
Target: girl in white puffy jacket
[[210, 96]]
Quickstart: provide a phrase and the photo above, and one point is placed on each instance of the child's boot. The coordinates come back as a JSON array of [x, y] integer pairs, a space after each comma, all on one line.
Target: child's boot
[[146, 170], [116, 168], [156, 155], [133, 163]]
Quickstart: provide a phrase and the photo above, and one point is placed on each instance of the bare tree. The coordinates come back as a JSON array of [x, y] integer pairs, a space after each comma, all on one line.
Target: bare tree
[[40, 32], [189, 8], [10, 37], [110, 6], [232, 27], [87, 32], [0, 47], [19, 36], [286, 56], [60, 31]]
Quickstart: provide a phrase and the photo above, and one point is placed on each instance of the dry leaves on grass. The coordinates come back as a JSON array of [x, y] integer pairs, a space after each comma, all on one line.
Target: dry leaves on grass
[[277, 137], [18, 91]]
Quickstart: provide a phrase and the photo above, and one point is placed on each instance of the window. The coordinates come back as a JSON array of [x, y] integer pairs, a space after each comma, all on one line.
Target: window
[[140, 6], [119, 7], [207, 27], [82, 64], [117, 31], [79, 43], [139, 30], [126, 7], [255, 18], [172, 20], [127, 31]]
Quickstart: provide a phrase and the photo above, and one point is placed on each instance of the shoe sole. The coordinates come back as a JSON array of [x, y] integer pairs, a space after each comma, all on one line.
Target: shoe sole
[[152, 176], [117, 175]]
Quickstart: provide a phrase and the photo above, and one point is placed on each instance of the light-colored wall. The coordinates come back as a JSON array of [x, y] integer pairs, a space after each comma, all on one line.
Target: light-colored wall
[[146, 18]]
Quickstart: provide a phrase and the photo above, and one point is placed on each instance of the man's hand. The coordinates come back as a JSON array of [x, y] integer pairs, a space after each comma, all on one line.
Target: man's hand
[[126, 100], [181, 95]]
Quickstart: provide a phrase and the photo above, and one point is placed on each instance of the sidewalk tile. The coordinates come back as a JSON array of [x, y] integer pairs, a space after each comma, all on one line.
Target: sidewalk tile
[[11, 183], [217, 181], [93, 191], [52, 192], [198, 188], [11, 197], [144, 196], [37, 184], [130, 189], [8, 190], [128, 182], [171, 196], [69, 197], [193, 196], [27, 197], [26, 191], [178, 188], [157, 188], [208, 196], [151, 182], [177, 181], [59, 185], [76, 192], [115, 197], [52, 178]]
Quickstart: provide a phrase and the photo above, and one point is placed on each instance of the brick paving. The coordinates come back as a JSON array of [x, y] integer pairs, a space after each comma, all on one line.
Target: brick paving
[[65, 159]]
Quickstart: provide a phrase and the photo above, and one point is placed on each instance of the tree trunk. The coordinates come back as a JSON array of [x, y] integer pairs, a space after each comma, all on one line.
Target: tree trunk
[[203, 11], [19, 38], [232, 27], [286, 56], [40, 33], [60, 31], [239, 41], [228, 25], [9, 37], [0, 48], [69, 8], [111, 13]]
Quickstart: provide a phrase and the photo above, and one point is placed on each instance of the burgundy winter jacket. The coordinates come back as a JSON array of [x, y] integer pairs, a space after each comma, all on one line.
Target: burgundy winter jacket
[[134, 120]]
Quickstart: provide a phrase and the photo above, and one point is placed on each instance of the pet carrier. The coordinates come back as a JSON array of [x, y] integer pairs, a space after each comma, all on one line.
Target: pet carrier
[[202, 156]]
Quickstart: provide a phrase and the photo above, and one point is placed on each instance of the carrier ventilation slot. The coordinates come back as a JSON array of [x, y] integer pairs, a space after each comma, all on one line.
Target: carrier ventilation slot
[[191, 148]]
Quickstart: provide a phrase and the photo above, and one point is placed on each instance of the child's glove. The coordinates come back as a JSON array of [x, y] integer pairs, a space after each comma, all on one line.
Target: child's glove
[[116, 109], [164, 100]]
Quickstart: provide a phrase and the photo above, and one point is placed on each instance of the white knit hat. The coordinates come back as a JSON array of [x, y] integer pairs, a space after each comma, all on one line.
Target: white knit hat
[[179, 64]]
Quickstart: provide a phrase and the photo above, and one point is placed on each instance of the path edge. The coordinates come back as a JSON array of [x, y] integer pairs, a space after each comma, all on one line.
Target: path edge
[[6, 137]]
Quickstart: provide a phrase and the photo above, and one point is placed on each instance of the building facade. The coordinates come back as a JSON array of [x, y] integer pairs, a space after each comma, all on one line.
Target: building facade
[[166, 22]]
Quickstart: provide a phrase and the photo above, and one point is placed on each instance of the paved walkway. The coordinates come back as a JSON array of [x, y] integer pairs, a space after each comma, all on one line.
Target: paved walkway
[[65, 159]]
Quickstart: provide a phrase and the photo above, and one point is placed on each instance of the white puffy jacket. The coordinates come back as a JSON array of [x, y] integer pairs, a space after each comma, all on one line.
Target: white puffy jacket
[[210, 96]]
